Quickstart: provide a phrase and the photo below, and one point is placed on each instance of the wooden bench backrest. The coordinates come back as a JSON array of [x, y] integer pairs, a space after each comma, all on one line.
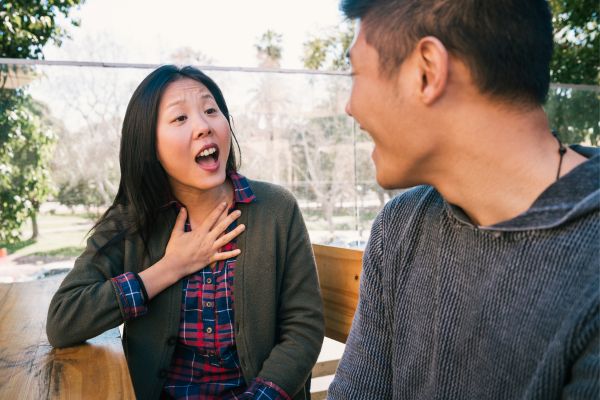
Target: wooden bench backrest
[[339, 274]]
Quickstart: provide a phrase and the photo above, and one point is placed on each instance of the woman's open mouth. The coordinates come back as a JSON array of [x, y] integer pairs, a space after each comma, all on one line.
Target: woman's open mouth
[[208, 158]]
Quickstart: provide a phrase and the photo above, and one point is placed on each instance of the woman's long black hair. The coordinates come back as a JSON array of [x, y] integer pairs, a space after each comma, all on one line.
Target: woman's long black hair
[[144, 188]]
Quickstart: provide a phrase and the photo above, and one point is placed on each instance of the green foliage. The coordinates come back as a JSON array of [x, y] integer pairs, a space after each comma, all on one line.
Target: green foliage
[[576, 56], [27, 25], [269, 49], [329, 52], [82, 192], [25, 152], [573, 113], [16, 246], [25, 140]]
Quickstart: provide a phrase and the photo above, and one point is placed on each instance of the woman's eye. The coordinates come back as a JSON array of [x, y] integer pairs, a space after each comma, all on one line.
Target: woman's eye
[[180, 118], [211, 111]]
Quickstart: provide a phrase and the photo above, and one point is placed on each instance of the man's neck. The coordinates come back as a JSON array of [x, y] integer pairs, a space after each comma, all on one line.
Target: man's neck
[[498, 162]]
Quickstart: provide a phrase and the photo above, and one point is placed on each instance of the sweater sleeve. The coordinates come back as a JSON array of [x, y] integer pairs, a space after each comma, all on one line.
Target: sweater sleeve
[[87, 302], [300, 314], [365, 369], [584, 382]]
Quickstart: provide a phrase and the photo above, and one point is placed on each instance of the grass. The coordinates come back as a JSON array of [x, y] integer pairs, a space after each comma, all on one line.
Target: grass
[[61, 237], [54, 255], [63, 252], [13, 247]]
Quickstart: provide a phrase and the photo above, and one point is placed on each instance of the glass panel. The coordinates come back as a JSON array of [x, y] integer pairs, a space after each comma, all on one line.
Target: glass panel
[[291, 128]]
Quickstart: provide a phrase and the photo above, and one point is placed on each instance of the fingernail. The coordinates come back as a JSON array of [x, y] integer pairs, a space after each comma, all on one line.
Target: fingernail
[[223, 204]]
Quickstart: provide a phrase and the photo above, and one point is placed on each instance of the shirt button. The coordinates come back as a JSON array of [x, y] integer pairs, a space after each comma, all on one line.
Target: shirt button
[[209, 330], [208, 304], [208, 280]]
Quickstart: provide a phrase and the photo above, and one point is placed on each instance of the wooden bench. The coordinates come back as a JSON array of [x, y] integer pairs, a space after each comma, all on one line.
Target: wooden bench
[[339, 275], [31, 369]]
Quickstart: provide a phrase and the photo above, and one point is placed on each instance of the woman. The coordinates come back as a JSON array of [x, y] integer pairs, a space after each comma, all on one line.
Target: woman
[[209, 311]]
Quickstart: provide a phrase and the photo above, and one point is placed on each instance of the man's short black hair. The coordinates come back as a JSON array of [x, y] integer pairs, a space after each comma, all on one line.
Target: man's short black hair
[[507, 44]]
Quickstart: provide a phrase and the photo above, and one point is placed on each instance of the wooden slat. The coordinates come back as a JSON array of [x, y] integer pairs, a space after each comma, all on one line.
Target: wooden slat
[[325, 368], [31, 369], [318, 395], [339, 274]]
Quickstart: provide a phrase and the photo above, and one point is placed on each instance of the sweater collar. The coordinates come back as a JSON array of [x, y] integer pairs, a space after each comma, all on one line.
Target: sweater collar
[[575, 194]]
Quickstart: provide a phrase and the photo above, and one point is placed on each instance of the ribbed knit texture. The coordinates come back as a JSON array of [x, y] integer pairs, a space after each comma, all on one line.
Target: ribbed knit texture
[[451, 311]]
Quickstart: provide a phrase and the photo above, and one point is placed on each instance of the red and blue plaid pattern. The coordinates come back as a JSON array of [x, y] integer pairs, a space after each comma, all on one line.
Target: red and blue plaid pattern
[[130, 294], [205, 362]]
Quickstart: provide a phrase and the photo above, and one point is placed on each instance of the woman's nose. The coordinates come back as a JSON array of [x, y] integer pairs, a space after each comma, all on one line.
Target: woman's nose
[[201, 127]]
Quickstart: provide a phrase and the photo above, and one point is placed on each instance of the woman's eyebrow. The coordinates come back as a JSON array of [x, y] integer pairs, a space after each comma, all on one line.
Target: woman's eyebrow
[[181, 100]]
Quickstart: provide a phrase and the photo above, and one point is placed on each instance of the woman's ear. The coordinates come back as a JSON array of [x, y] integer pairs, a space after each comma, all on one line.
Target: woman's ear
[[432, 61]]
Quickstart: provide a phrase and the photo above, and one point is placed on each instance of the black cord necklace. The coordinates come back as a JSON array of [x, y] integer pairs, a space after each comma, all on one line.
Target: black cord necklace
[[561, 152]]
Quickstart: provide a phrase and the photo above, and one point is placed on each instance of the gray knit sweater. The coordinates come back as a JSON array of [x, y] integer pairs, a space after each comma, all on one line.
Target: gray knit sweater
[[449, 310]]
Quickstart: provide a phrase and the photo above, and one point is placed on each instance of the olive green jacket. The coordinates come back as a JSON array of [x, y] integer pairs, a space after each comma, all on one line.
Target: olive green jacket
[[279, 324]]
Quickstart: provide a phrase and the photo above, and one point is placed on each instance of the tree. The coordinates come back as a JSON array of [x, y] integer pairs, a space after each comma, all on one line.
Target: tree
[[329, 52], [576, 57], [573, 111], [86, 158], [188, 56], [25, 144], [269, 103], [269, 49], [27, 25], [24, 156]]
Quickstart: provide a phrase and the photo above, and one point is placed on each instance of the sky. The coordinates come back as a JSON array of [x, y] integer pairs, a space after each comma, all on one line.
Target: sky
[[225, 31]]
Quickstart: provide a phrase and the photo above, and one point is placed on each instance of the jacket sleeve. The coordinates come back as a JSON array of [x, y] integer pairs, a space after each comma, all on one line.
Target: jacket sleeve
[[87, 302], [300, 314], [365, 369]]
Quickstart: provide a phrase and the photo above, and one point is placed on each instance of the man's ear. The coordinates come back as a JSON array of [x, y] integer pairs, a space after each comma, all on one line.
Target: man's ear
[[432, 61]]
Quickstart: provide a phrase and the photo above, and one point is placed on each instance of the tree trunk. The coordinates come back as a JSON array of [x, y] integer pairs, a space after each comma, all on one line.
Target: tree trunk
[[34, 226]]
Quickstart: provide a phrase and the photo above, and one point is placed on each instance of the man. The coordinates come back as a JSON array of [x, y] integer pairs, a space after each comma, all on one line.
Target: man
[[483, 283]]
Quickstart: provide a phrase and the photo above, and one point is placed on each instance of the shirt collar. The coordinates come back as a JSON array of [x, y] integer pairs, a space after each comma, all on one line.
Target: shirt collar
[[242, 192]]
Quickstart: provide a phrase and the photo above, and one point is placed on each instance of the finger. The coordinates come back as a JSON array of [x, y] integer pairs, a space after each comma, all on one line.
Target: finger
[[225, 255], [213, 217], [180, 222], [224, 223], [228, 237]]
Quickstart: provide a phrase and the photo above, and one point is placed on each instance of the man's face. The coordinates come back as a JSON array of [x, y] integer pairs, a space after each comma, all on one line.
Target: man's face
[[385, 107]]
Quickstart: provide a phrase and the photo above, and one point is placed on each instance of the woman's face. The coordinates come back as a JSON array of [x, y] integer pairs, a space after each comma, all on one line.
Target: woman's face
[[193, 137]]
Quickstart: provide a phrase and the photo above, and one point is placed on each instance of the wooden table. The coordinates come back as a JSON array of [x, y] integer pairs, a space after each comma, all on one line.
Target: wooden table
[[31, 369]]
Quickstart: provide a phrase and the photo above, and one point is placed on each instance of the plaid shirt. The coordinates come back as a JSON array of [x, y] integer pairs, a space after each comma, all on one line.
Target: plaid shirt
[[205, 363]]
